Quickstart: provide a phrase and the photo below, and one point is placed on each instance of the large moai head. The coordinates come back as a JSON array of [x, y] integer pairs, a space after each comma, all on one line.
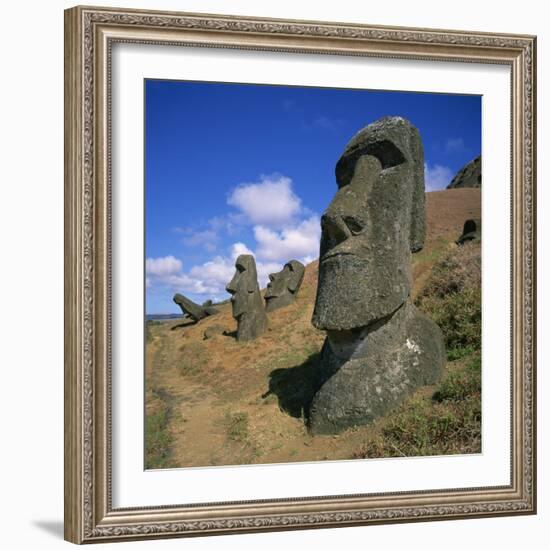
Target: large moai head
[[244, 285], [284, 285], [246, 300], [371, 226]]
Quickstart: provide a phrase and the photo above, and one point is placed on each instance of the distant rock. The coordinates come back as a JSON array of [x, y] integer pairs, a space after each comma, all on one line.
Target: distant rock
[[468, 176]]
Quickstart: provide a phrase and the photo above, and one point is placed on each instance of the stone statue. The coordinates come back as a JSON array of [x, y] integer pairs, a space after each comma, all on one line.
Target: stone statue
[[247, 302], [283, 286], [471, 231], [192, 309], [379, 347]]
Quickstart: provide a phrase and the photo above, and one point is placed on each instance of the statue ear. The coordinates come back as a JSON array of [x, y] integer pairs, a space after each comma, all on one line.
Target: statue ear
[[418, 211], [252, 277], [293, 283]]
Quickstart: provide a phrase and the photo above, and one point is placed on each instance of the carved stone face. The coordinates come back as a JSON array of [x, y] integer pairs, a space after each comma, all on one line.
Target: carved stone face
[[284, 285], [278, 283], [243, 286], [369, 229]]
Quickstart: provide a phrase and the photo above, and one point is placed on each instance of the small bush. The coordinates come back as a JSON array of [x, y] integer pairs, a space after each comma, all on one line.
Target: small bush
[[237, 426], [452, 298], [462, 384]]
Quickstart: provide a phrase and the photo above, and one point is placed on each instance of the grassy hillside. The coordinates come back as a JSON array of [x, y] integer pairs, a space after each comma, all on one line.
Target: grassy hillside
[[219, 401]]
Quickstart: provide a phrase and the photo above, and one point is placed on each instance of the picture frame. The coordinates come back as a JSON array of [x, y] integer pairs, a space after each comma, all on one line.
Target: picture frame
[[90, 34]]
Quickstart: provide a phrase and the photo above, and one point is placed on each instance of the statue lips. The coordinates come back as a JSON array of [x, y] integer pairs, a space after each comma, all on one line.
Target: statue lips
[[332, 255]]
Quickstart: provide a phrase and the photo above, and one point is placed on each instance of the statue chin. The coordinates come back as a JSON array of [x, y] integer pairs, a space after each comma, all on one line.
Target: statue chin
[[354, 292]]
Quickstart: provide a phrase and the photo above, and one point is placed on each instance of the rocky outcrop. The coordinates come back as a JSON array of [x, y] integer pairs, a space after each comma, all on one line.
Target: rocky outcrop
[[468, 176], [379, 347]]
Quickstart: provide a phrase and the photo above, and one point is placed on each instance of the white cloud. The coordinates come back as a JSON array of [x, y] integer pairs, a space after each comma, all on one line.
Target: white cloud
[[239, 248], [283, 230], [168, 271], [162, 267], [270, 202], [437, 176], [208, 278], [298, 242], [207, 239]]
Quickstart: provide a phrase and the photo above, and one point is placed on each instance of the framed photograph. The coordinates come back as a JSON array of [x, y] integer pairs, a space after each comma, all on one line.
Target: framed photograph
[[281, 311]]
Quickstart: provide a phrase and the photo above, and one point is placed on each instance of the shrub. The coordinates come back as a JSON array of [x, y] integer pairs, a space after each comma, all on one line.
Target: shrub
[[452, 298], [237, 426]]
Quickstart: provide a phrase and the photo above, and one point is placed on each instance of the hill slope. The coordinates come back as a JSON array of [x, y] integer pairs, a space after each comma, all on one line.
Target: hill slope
[[219, 401]]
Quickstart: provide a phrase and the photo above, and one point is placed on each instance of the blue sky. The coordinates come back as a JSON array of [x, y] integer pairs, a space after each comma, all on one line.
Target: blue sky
[[239, 168]]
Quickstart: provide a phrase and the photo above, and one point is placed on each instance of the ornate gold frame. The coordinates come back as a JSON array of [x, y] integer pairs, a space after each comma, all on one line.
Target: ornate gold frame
[[89, 34]]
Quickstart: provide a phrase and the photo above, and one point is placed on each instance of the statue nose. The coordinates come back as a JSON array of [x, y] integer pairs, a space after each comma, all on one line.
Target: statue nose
[[230, 287], [334, 229]]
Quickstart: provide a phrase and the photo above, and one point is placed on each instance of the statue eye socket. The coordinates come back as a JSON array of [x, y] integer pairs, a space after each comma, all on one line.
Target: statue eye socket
[[354, 225], [240, 268]]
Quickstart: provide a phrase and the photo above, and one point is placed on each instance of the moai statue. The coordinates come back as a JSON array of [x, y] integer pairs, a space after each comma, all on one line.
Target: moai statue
[[283, 286], [471, 231], [379, 347], [193, 310], [246, 300]]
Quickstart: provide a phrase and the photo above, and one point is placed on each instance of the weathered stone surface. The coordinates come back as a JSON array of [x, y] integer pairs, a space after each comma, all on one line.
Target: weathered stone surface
[[379, 347], [468, 176], [214, 330], [192, 309], [283, 286], [369, 229], [208, 306], [366, 374], [471, 231], [246, 300]]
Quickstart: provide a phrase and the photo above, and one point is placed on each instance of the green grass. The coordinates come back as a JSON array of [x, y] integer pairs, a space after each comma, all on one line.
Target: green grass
[[447, 422], [157, 438], [425, 256]]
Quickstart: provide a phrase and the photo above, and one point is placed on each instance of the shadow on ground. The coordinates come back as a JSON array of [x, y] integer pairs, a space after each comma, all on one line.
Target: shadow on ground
[[296, 386], [186, 323], [53, 527]]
